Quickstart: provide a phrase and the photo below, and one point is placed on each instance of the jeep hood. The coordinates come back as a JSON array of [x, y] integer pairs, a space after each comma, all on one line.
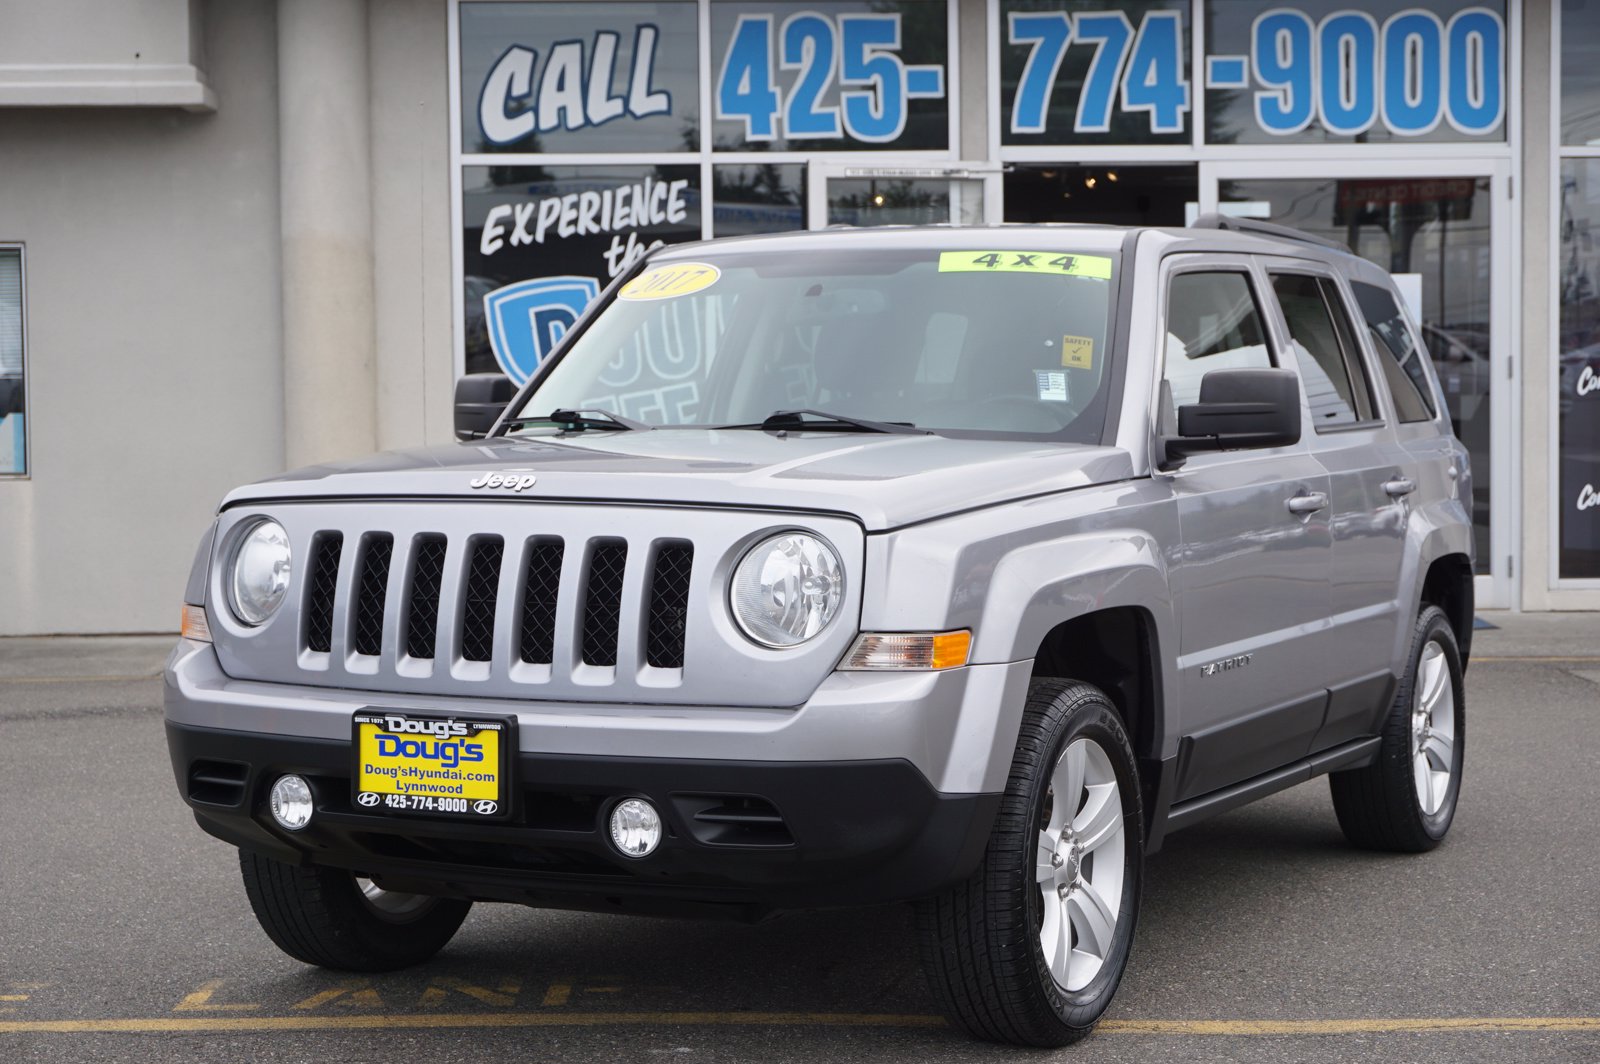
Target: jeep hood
[[884, 481]]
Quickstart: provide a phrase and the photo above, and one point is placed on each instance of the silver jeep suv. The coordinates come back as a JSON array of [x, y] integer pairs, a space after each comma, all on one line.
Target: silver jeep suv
[[956, 566]]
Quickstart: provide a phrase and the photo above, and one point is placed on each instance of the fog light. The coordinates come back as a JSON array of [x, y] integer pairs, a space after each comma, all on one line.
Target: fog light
[[291, 802], [635, 827]]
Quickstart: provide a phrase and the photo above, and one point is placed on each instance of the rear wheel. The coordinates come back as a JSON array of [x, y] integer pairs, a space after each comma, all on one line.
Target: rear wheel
[[1030, 949], [331, 918], [1405, 800]]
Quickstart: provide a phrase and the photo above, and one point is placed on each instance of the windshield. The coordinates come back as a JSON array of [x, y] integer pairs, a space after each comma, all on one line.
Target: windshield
[[977, 342]]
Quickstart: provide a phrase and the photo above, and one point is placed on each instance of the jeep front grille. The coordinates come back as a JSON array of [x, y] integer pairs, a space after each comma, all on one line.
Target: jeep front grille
[[473, 610], [612, 604]]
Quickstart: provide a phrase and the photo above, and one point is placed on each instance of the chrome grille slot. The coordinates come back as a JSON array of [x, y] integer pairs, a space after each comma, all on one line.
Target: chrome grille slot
[[427, 577], [540, 586], [324, 578], [372, 593], [478, 605], [669, 605], [602, 601]]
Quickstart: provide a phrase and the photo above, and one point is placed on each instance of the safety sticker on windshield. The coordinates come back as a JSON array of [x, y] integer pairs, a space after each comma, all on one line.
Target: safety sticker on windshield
[[670, 281], [1077, 352], [1095, 266]]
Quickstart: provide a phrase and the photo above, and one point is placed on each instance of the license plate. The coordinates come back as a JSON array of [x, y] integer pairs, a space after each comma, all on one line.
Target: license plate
[[412, 763]]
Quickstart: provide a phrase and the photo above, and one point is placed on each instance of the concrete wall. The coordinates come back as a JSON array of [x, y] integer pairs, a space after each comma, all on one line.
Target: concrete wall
[[411, 221], [155, 376]]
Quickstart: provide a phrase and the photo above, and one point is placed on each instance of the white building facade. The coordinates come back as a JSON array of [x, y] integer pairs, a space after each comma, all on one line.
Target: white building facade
[[237, 237]]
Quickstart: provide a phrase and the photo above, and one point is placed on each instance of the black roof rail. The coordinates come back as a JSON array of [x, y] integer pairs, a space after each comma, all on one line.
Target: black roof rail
[[1251, 225]]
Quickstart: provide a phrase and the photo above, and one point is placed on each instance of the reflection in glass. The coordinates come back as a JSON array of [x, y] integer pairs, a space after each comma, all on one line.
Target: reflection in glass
[[1102, 194], [1580, 72], [896, 201], [13, 457], [1579, 429], [757, 198], [1437, 229]]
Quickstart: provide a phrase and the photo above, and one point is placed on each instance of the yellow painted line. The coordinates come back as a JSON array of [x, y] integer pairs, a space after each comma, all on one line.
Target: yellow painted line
[[1280, 1027], [1236, 1028], [80, 679], [13, 997], [217, 1024], [1476, 658]]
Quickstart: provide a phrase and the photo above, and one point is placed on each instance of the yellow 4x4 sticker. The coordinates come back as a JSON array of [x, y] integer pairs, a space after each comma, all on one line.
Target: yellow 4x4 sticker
[[1096, 266], [673, 279]]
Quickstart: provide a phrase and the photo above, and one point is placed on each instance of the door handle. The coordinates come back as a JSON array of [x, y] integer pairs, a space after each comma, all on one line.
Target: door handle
[[1308, 503], [1399, 487]]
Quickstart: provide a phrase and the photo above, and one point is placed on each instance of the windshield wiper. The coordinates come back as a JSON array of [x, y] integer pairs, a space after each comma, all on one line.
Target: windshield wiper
[[578, 420], [809, 420]]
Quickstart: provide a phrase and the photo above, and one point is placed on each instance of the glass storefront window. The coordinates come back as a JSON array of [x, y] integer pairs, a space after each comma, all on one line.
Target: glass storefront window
[[1439, 230], [1580, 73], [540, 242], [1104, 194], [904, 201], [1578, 439], [852, 75], [1095, 72], [13, 433], [757, 198], [1321, 72], [541, 76]]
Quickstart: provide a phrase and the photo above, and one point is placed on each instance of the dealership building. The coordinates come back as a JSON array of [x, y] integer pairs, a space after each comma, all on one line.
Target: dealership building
[[241, 236]]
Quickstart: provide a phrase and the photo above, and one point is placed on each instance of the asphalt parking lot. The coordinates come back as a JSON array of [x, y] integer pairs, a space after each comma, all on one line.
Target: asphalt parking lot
[[125, 935]]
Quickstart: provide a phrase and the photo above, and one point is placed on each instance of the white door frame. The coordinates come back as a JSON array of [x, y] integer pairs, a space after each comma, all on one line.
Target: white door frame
[[1497, 589], [820, 171]]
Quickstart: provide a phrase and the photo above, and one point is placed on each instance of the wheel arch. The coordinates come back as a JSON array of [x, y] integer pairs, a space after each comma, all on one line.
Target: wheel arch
[[1449, 585]]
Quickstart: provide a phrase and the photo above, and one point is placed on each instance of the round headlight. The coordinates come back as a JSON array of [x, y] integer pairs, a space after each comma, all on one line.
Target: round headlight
[[787, 588], [260, 576]]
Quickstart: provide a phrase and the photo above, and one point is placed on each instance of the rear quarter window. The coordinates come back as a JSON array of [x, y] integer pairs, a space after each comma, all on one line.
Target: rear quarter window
[[1399, 352]]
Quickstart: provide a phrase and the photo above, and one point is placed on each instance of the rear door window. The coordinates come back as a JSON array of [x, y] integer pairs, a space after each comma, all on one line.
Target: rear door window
[[1324, 345]]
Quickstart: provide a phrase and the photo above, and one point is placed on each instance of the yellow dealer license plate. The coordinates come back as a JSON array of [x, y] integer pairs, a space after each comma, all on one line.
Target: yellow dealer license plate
[[434, 766]]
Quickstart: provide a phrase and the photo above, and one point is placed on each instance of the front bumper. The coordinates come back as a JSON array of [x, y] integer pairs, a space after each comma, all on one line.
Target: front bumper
[[748, 832]]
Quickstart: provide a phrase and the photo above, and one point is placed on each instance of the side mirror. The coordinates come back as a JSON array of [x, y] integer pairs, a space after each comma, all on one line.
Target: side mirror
[[480, 400], [1238, 408]]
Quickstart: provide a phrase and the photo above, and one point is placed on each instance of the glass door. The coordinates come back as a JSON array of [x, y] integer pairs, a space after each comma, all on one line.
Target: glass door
[[933, 194], [1442, 227]]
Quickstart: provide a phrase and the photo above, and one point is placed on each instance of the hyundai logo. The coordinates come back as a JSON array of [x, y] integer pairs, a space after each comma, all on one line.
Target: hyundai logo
[[367, 798], [484, 807]]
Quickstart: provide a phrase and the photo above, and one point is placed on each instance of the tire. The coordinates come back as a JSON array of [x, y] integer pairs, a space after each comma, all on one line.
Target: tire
[[1392, 804], [323, 916], [982, 942]]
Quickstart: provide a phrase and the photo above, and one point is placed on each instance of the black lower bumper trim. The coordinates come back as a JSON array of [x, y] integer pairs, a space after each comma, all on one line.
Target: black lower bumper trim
[[744, 838]]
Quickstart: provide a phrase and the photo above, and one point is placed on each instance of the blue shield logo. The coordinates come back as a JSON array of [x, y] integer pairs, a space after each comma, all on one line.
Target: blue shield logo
[[527, 319]]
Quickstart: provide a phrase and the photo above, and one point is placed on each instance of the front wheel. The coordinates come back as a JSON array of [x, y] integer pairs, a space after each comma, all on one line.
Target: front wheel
[[331, 918], [1405, 800], [1030, 949]]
